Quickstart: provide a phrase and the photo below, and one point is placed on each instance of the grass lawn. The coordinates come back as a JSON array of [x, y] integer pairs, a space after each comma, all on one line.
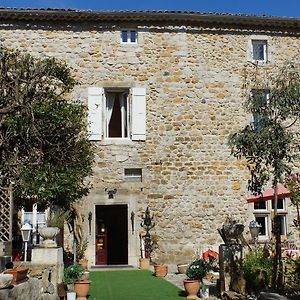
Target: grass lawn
[[131, 285]]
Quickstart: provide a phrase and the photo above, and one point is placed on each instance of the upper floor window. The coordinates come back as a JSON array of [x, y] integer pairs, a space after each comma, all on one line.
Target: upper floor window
[[116, 113], [260, 205], [259, 50], [129, 37]]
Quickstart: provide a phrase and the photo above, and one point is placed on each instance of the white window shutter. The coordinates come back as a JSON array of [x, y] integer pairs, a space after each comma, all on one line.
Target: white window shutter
[[95, 95], [138, 114]]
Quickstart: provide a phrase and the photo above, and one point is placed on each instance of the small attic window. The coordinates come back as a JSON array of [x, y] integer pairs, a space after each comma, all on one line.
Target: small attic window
[[128, 37], [259, 50], [133, 175]]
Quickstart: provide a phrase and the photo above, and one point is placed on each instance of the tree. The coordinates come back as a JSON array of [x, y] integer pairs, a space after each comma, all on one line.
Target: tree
[[269, 143], [44, 145]]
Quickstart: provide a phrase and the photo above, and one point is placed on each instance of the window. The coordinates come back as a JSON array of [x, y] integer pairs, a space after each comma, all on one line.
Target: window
[[263, 222], [259, 50], [116, 113], [128, 37], [133, 175], [261, 205], [36, 217], [280, 204], [263, 215]]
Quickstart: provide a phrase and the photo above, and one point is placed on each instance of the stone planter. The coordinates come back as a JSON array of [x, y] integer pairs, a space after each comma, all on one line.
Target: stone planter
[[49, 234], [19, 275], [181, 268], [160, 270]]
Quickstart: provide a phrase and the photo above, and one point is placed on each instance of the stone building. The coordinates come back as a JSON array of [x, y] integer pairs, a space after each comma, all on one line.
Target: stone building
[[165, 90]]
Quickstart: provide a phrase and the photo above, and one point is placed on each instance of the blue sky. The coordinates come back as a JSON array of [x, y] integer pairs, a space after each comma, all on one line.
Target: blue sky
[[288, 8]]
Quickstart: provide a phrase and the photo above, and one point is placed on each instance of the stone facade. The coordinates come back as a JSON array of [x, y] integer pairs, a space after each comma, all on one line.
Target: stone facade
[[194, 77]]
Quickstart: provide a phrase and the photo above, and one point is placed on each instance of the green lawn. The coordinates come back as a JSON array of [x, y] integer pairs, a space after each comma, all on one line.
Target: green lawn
[[131, 285]]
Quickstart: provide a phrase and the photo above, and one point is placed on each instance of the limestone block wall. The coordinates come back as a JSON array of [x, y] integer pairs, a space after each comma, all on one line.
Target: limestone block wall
[[29, 288], [194, 78]]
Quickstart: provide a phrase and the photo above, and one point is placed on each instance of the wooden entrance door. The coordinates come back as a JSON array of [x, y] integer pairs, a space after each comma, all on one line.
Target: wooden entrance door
[[111, 235]]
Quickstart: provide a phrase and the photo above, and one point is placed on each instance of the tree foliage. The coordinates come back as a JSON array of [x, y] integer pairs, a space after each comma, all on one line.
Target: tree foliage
[[44, 146], [268, 143]]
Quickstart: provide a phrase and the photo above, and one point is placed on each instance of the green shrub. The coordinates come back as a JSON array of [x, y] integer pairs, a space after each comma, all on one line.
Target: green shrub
[[292, 273], [73, 273], [197, 269], [257, 267]]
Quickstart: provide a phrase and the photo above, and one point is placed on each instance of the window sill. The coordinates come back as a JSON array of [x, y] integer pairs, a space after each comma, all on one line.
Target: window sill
[[261, 63], [117, 141]]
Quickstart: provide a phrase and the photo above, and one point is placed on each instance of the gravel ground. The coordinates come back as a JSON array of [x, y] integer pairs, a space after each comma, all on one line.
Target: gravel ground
[[177, 279]]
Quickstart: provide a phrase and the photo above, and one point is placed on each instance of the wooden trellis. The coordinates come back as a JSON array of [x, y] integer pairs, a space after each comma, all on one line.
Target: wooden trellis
[[6, 211]]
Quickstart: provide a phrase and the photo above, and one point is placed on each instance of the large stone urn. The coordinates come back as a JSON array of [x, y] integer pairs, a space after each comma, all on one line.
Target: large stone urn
[[49, 234]]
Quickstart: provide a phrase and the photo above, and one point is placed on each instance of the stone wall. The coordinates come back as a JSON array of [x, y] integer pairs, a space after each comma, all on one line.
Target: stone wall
[[29, 288], [45, 276], [194, 78]]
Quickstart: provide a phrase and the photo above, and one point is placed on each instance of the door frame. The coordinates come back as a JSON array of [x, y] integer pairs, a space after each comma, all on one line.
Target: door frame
[[113, 211], [132, 236]]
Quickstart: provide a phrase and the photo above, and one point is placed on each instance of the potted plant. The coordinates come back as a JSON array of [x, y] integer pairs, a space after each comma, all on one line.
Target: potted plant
[[146, 240], [144, 261], [81, 247], [73, 275], [160, 270], [195, 272]]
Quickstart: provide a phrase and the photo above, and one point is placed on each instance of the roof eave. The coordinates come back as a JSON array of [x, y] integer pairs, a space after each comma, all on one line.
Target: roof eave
[[148, 16]]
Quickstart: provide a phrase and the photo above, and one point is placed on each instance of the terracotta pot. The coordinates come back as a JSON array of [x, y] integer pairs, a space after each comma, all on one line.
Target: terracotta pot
[[160, 270], [192, 288], [144, 263], [82, 288], [19, 274]]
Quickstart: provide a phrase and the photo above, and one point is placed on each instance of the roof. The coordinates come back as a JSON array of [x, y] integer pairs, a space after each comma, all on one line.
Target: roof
[[171, 17], [268, 194]]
